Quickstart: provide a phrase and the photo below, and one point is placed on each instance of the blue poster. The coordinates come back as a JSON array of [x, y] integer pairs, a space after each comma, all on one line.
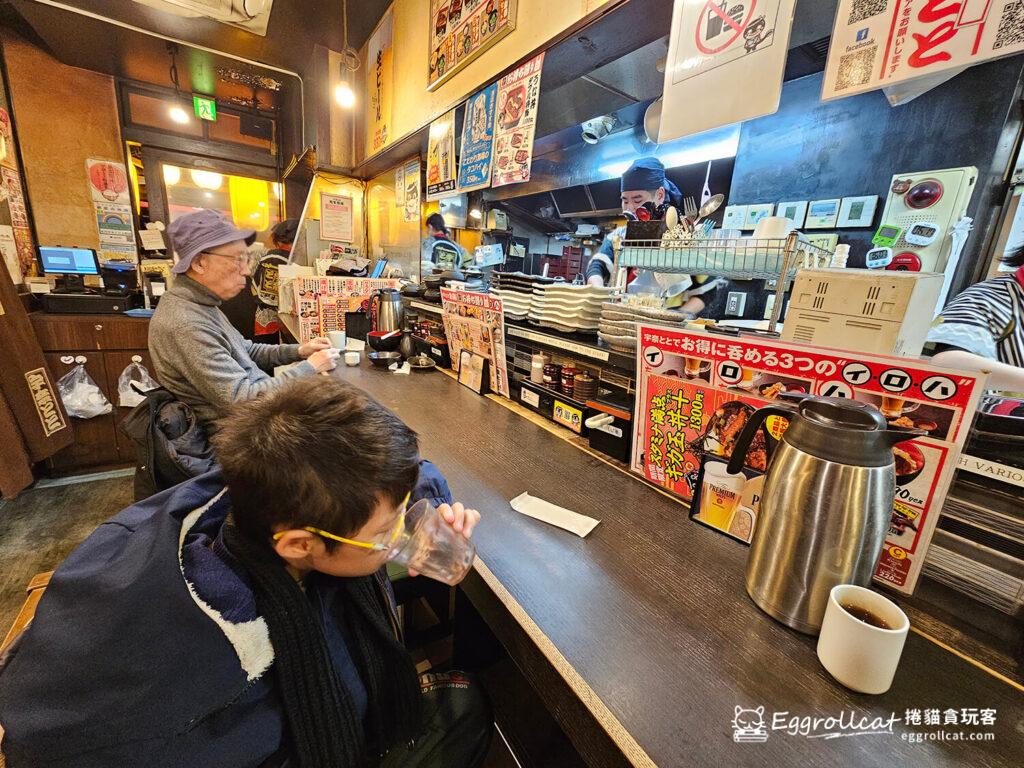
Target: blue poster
[[478, 140]]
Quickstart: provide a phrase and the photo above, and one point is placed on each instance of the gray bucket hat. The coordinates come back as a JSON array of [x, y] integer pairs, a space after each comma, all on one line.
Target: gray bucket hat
[[196, 232]]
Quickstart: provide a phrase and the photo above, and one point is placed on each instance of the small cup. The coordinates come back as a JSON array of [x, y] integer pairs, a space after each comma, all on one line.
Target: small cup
[[337, 339], [351, 358], [859, 654], [432, 547]]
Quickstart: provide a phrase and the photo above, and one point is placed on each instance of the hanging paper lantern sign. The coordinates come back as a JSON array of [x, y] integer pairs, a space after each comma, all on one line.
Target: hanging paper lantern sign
[[109, 181]]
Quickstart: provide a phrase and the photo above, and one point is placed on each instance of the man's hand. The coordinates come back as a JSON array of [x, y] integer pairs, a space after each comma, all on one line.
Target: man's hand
[[595, 281], [324, 360], [458, 517], [313, 346]]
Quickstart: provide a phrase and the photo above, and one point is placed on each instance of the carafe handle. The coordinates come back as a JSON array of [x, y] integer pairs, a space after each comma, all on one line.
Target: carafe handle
[[755, 422]]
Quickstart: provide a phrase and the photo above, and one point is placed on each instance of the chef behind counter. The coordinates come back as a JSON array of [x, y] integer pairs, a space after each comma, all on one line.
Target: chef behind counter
[[645, 182]]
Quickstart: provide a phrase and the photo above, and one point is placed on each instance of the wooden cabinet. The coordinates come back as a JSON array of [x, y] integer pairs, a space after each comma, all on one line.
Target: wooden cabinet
[[107, 343]]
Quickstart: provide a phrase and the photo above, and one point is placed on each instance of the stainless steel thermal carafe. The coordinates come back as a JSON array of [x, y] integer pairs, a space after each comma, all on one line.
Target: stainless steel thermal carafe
[[825, 507]]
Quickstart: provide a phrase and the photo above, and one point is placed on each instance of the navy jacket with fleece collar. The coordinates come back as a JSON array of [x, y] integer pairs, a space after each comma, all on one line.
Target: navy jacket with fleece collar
[[129, 663]]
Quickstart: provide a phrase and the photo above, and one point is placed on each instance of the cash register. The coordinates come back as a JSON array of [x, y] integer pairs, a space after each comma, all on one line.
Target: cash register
[[71, 296]]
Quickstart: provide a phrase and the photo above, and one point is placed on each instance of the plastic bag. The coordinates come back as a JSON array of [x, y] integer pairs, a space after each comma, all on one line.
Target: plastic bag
[[82, 398], [133, 381]]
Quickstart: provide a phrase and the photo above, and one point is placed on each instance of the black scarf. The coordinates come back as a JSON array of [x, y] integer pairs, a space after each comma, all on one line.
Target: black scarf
[[322, 720]]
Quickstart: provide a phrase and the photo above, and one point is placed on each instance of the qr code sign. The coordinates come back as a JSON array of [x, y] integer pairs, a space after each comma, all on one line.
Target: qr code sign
[[865, 9], [1011, 25], [855, 68]]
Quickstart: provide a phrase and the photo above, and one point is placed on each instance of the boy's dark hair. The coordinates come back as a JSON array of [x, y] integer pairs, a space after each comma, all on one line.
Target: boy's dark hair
[[1015, 258], [315, 452], [436, 220], [284, 232]]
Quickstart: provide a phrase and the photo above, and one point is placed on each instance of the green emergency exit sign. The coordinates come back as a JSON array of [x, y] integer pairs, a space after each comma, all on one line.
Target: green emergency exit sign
[[206, 109]]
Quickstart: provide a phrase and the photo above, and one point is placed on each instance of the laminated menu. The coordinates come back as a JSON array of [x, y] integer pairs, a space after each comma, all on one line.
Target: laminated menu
[[320, 303], [475, 322], [696, 391]]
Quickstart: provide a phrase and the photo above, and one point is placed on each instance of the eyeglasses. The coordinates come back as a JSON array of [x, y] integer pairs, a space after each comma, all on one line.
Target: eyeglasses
[[382, 543], [244, 262]]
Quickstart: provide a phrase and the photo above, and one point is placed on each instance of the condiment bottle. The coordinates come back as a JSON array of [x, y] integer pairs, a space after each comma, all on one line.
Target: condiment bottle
[[537, 365]]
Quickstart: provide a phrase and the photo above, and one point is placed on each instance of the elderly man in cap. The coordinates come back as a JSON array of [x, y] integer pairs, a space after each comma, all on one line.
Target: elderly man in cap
[[645, 182], [199, 356]]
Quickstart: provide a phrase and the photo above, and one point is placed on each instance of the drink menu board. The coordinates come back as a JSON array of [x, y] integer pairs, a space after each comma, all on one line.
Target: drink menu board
[[321, 302], [697, 390], [476, 322]]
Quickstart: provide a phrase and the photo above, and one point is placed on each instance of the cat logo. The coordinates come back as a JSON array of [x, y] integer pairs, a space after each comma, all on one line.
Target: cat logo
[[748, 726], [46, 406]]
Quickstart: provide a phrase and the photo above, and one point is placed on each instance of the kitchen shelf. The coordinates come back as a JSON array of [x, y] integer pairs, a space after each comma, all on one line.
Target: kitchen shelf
[[741, 258]]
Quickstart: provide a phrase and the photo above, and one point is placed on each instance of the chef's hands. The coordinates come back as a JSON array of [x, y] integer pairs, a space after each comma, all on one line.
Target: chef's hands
[[458, 517], [314, 345], [324, 360], [595, 281]]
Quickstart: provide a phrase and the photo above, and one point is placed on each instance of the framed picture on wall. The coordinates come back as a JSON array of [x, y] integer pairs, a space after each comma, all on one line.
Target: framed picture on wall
[[795, 212], [461, 31], [857, 211]]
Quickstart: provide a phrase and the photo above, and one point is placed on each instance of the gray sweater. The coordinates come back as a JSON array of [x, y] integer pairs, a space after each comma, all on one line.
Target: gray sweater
[[201, 358]]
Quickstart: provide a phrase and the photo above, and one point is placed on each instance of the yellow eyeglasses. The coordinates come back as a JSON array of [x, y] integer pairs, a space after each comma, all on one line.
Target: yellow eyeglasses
[[383, 543]]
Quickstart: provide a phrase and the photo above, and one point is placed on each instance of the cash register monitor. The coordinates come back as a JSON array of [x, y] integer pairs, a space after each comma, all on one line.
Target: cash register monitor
[[72, 264]]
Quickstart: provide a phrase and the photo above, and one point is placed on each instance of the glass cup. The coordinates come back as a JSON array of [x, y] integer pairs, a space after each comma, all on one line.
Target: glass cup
[[428, 544], [720, 495], [694, 366], [893, 407]]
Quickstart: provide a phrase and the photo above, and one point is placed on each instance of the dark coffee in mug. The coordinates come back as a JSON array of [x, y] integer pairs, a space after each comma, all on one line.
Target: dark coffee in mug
[[863, 614]]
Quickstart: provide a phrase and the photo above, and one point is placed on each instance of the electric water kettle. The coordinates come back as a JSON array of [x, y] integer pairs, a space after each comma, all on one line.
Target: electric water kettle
[[825, 506], [386, 309]]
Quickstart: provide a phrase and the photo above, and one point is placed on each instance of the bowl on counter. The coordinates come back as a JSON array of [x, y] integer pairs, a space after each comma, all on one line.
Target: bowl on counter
[[378, 343], [384, 359]]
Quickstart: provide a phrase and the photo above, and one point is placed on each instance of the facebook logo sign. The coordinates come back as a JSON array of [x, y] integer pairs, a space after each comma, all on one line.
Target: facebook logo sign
[[862, 34]]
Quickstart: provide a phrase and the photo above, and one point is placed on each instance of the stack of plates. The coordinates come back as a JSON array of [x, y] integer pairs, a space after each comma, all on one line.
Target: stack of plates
[[568, 308], [585, 387], [515, 290], [617, 324]]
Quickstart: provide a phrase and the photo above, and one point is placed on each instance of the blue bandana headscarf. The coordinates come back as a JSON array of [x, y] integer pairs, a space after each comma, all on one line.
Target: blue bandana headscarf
[[648, 173]]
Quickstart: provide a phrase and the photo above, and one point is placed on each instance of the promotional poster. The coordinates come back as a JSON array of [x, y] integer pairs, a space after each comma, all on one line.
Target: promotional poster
[[696, 391]]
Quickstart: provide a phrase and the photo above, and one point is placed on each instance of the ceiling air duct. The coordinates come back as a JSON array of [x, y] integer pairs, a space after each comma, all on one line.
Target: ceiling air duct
[[250, 15]]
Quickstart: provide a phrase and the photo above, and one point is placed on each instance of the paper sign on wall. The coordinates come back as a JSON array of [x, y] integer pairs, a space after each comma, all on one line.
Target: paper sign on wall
[[516, 121], [478, 140], [725, 63], [379, 84], [336, 217], [879, 43], [411, 176], [441, 157], [115, 224]]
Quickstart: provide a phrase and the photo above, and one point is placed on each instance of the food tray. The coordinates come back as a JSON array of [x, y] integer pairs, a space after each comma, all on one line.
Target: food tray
[[740, 258]]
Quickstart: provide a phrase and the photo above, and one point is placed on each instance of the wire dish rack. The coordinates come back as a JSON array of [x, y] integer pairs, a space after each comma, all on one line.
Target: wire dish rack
[[742, 258]]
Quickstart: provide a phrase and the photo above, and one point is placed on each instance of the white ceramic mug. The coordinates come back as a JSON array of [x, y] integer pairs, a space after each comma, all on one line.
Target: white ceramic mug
[[861, 656], [337, 339], [351, 358], [772, 227]]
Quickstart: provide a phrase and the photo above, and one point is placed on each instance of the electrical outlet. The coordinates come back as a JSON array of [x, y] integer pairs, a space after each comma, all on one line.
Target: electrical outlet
[[735, 303]]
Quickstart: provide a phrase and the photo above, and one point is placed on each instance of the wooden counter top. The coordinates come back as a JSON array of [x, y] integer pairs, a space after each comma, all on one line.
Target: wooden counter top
[[647, 619]]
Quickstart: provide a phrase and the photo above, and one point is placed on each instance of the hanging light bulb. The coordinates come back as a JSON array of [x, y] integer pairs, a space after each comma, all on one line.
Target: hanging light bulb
[[206, 179], [345, 96], [172, 175], [343, 93], [178, 115]]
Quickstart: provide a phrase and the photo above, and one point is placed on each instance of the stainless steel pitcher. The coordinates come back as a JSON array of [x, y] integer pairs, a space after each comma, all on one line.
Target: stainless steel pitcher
[[386, 309], [825, 507]]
